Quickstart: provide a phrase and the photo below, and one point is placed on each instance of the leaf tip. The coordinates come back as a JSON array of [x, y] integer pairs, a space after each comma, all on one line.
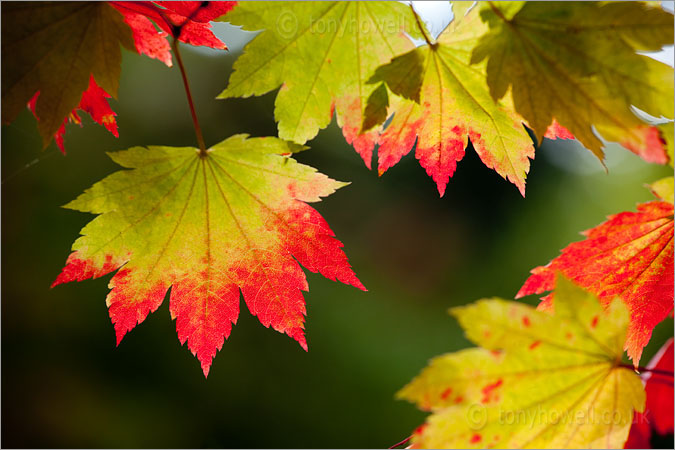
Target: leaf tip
[[206, 367]]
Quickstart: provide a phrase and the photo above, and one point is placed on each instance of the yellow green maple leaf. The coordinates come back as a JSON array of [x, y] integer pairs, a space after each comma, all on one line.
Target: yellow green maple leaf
[[445, 103], [538, 380], [208, 225], [576, 62], [321, 54], [663, 189]]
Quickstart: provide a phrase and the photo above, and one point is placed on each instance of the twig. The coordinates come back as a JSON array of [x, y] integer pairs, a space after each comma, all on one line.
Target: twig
[[402, 443], [666, 373], [421, 27], [497, 11]]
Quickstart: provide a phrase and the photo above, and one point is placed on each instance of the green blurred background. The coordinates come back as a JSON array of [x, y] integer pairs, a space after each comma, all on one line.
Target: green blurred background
[[65, 384]]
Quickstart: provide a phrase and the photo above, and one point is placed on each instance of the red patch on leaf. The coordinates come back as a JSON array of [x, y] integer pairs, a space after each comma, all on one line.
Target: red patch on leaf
[[534, 345], [446, 393], [652, 145], [557, 131], [594, 322], [440, 160], [526, 321], [476, 438], [630, 256], [398, 139], [214, 303], [459, 399], [94, 101], [129, 302], [350, 117], [419, 430], [646, 142], [488, 391], [441, 143], [78, 269]]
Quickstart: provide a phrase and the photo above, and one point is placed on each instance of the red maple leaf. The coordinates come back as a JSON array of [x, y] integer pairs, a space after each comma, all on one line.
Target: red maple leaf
[[95, 102], [659, 389], [629, 256], [658, 414], [187, 21]]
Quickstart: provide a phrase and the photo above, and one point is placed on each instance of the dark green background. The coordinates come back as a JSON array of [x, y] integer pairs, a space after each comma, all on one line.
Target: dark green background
[[65, 384]]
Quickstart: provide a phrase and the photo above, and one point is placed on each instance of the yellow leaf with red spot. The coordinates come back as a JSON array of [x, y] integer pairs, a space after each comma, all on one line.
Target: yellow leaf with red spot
[[538, 380]]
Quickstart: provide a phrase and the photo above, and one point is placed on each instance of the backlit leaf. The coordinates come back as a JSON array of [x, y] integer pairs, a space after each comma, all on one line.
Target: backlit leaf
[[95, 102], [55, 48], [539, 380], [576, 62], [658, 414], [208, 227], [454, 107], [321, 54], [187, 21], [629, 256]]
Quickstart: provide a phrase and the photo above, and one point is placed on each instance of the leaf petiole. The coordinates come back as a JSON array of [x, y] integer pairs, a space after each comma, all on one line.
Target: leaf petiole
[[666, 373], [402, 443], [421, 28], [186, 84]]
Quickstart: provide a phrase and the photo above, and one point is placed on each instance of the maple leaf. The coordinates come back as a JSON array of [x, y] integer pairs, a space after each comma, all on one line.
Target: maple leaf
[[321, 54], [95, 102], [208, 227], [449, 104], [654, 149], [540, 380], [659, 389], [55, 48], [576, 62], [658, 412], [629, 256], [667, 135], [187, 21]]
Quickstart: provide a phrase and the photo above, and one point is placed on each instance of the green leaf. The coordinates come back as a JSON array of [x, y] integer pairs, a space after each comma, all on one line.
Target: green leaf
[[54, 48], [539, 381], [576, 62], [321, 54]]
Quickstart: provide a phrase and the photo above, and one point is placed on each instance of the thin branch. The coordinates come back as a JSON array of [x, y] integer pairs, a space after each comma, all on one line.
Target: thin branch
[[666, 373], [497, 11], [421, 27], [186, 84], [402, 443]]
